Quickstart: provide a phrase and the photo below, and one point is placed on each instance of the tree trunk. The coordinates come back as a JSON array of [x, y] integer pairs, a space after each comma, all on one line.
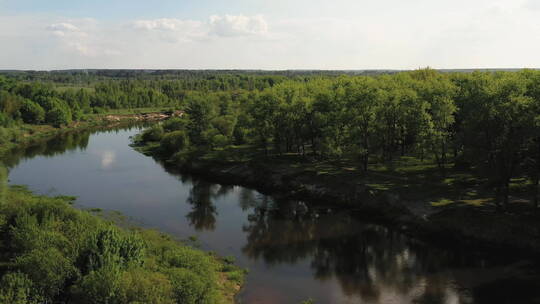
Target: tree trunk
[[506, 193]]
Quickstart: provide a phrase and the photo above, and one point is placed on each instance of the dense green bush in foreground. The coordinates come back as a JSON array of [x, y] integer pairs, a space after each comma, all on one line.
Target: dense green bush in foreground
[[51, 252]]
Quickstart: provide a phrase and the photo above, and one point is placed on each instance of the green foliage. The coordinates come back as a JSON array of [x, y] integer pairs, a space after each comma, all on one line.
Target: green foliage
[[175, 124], [17, 288], [195, 260], [31, 112], [55, 252], [3, 187], [58, 116], [155, 133], [192, 288], [48, 268], [487, 122], [101, 286], [175, 141], [142, 286], [109, 246]]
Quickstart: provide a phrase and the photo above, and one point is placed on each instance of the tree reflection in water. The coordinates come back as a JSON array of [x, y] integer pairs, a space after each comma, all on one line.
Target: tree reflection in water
[[49, 148], [201, 197], [369, 261]]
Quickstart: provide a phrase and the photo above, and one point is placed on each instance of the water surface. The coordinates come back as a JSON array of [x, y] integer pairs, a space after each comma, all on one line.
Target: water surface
[[293, 252]]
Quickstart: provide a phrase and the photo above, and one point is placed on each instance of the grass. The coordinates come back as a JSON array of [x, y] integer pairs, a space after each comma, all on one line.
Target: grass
[[414, 180], [442, 202]]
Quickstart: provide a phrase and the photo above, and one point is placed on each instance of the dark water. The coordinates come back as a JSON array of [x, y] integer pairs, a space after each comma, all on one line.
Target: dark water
[[293, 252]]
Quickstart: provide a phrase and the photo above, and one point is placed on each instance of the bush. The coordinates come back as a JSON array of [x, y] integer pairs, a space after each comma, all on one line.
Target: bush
[[48, 269], [143, 286], [5, 120], [174, 124], [154, 133], [192, 259], [174, 142], [56, 252], [220, 141], [58, 116], [101, 286], [17, 288], [240, 135], [191, 288], [31, 112], [107, 246]]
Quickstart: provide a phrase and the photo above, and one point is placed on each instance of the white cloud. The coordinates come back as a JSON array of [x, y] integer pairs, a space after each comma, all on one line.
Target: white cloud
[[377, 34], [164, 24], [172, 30], [107, 159], [229, 25], [179, 30], [83, 37], [65, 27]]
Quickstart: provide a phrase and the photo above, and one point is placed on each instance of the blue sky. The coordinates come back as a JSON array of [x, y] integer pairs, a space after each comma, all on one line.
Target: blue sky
[[120, 9], [278, 34]]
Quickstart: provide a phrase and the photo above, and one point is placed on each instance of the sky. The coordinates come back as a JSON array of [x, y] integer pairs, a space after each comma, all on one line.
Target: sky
[[269, 34]]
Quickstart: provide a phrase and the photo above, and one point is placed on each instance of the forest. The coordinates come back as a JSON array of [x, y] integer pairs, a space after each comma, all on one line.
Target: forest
[[486, 123]]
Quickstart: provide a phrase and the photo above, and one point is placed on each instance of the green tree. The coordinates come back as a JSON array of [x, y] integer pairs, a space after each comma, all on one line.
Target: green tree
[[17, 288], [175, 141], [32, 112]]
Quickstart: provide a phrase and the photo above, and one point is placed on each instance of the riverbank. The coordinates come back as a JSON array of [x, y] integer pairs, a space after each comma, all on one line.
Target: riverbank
[[51, 251], [26, 134], [453, 210]]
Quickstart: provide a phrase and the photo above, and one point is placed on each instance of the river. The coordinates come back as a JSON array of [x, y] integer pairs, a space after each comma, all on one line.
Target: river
[[293, 252]]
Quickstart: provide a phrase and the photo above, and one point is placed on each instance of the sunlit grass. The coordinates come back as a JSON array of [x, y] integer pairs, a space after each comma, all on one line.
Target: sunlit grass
[[442, 202], [477, 202]]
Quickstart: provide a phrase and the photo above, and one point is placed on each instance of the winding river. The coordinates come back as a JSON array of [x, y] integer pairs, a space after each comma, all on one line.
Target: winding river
[[293, 252]]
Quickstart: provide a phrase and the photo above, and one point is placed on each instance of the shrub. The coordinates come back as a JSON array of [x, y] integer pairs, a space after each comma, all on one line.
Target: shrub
[[174, 124], [31, 112], [220, 141], [108, 245], [17, 288], [101, 286], [48, 269], [191, 288], [58, 116], [174, 141], [192, 259], [63, 253], [143, 286], [155, 133], [5, 120]]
